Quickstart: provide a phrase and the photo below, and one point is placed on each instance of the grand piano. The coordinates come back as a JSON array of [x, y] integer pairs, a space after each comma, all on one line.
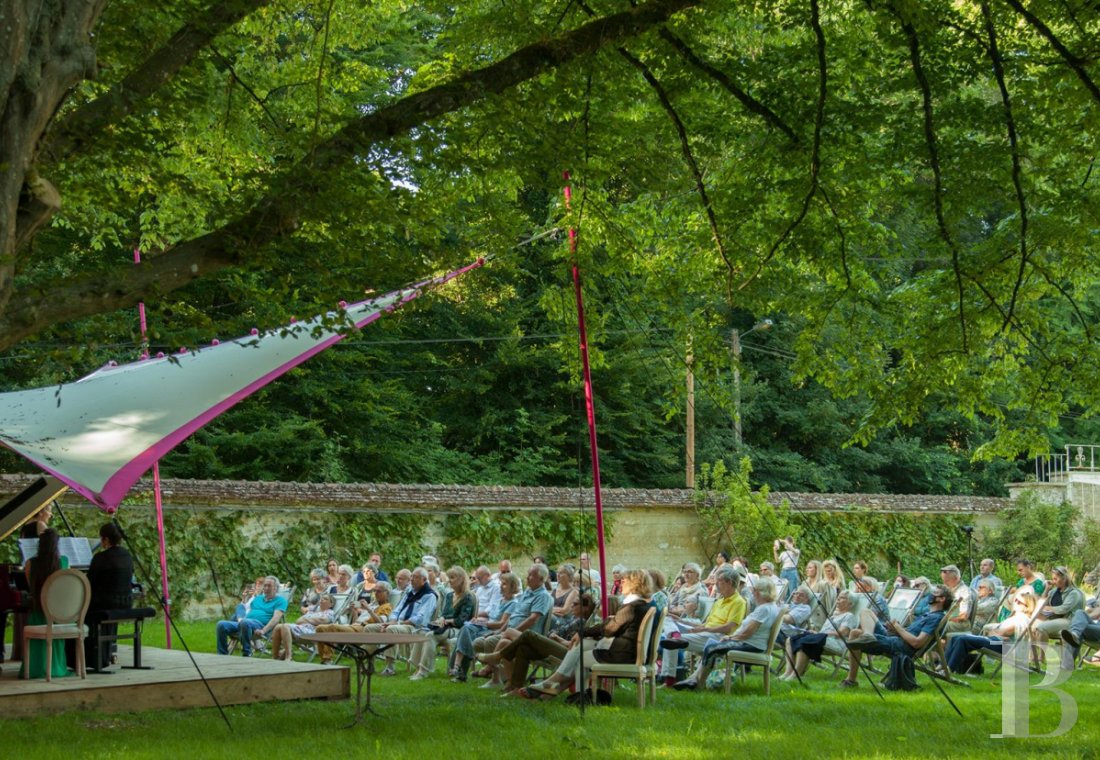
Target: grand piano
[[14, 513]]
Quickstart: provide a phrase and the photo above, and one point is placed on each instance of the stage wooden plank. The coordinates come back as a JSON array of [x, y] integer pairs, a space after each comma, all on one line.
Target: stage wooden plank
[[172, 683]]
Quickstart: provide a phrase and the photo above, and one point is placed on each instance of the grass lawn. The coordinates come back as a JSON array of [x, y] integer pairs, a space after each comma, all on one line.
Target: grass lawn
[[436, 719]]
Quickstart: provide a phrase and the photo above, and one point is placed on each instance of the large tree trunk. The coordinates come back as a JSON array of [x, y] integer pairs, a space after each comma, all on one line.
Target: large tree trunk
[[45, 50]]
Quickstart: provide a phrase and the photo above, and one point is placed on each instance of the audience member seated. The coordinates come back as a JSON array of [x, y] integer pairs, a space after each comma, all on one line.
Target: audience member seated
[[797, 615], [593, 574], [1025, 569], [877, 606], [711, 581], [377, 613], [1084, 626], [617, 580], [318, 582], [517, 657], [265, 611], [1063, 600], [804, 647], [458, 609], [364, 587], [833, 575], [725, 615], [689, 590], [332, 572], [892, 639], [815, 577], [614, 641], [985, 572], [986, 604], [564, 596], [859, 569], [485, 628], [282, 636], [401, 586], [343, 583], [751, 636], [960, 622], [924, 585], [657, 584], [413, 616], [994, 635], [487, 590], [532, 607]]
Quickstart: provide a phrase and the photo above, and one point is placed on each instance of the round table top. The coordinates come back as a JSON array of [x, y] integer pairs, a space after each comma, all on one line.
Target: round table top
[[366, 639]]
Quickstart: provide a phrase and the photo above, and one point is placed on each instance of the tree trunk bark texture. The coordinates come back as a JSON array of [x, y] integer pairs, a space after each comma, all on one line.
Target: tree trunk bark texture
[[45, 50]]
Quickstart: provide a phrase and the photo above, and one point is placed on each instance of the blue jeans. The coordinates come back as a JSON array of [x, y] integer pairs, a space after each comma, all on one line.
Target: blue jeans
[[962, 645], [241, 630], [790, 575], [466, 635], [885, 644]]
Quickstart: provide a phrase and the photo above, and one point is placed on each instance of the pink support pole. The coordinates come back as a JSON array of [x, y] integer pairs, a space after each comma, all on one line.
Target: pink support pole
[[156, 490], [589, 403]]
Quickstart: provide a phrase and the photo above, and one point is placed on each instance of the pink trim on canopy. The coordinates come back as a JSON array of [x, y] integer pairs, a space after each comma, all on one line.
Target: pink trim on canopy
[[120, 483]]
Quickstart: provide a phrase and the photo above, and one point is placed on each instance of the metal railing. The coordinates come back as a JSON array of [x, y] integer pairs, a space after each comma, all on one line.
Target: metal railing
[[1078, 457]]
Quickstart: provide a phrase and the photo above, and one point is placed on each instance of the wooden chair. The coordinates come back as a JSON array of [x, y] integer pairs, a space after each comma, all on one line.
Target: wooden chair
[[65, 598], [642, 671], [763, 659]]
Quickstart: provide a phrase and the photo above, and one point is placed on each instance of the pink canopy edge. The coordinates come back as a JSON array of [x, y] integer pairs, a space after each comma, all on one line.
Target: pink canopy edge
[[119, 484]]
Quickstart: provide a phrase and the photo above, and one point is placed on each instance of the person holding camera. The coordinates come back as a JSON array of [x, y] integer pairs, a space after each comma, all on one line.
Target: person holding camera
[[786, 556]]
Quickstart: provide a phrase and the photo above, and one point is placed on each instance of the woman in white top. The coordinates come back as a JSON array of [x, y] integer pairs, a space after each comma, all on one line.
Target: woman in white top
[[830, 639], [282, 637], [787, 559]]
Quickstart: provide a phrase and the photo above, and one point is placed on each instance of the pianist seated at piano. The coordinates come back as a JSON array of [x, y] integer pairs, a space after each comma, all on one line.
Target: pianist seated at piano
[[39, 568], [110, 576]]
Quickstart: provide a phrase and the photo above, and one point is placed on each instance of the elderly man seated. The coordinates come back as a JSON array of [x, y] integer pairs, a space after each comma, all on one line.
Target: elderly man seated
[[751, 635], [892, 639], [985, 572], [374, 613], [413, 616], [264, 613], [725, 615], [961, 621], [531, 609]]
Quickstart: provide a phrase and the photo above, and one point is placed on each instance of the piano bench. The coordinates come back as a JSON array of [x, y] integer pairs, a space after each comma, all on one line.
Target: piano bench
[[103, 618]]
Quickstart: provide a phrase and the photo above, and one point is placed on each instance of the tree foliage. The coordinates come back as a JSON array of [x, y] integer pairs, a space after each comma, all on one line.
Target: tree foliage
[[910, 185]]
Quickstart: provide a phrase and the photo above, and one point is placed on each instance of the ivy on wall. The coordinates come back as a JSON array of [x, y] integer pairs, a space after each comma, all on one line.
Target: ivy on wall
[[474, 537]]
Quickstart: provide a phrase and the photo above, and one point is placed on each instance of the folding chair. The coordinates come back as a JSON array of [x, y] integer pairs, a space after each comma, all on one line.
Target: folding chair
[[933, 650], [1001, 656], [901, 604]]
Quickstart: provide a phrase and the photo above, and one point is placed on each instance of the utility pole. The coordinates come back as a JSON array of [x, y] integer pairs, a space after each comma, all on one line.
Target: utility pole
[[735, 354]]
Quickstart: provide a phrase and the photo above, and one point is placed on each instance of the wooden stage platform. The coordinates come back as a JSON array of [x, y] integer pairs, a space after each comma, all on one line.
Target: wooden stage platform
[[173, 683]]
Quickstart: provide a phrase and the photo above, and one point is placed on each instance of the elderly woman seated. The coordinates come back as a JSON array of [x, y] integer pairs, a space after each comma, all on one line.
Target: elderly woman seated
[[318, 585], [751, 636], [614, 640], [726, 614], [688, 589], [803, 647], [374, 613], [282, 637]]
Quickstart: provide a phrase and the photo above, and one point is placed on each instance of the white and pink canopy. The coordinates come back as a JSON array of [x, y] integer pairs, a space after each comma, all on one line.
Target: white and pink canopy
[[101, 433]]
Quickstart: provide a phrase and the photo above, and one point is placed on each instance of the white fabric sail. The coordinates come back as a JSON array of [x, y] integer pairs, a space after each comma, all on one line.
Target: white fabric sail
[[101, 433]]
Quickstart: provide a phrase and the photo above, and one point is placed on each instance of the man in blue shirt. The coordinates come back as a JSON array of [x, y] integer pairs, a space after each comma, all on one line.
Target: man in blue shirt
[[264, 613], [533, 606], [893, 640], [985, 570], [413, 615]]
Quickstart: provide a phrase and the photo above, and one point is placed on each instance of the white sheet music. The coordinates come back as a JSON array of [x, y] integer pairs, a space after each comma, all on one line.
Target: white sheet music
[[77, 548]]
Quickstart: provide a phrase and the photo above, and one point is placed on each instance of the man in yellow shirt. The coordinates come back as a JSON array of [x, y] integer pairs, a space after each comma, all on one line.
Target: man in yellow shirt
[[725, 615]]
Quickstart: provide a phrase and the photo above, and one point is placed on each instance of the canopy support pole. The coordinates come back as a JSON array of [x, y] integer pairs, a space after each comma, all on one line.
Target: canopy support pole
[[156, 491], [589, 402]]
